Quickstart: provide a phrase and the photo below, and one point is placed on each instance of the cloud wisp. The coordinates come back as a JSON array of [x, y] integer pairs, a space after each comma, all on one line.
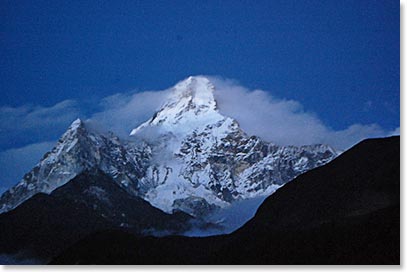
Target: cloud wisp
[[29, 124], [29, 131], [285, 122], [282, 121], [122, 112]]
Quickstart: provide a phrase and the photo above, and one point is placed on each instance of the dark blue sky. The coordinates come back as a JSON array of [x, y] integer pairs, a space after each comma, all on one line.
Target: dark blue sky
[[340, 59]]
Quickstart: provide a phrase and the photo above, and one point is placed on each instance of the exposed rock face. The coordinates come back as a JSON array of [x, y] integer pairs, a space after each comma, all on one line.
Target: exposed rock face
[[197, 152], [78, 150], [187, 157], [344, 213]]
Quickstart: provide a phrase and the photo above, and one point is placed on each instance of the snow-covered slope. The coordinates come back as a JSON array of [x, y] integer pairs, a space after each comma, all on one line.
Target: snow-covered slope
[[191, 104], [187, 157], [202, 160]]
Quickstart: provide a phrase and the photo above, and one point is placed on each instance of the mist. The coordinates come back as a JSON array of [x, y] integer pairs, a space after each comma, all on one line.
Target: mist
[[228, 219]]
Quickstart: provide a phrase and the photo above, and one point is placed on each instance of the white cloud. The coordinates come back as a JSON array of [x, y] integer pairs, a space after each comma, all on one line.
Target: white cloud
[[32, 123], [27, 132], [121, 112], [30, 116], [282, 121]]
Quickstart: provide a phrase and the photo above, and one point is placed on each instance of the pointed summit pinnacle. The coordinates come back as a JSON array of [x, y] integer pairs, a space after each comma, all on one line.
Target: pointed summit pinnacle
[[76, 124], [190, 104], [198, 90]]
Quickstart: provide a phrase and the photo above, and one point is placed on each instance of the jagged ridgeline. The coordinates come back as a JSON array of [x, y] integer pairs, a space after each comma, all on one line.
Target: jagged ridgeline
[[187, 157]]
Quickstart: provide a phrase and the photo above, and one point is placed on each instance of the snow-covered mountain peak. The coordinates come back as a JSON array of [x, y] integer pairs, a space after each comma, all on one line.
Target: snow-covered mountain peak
[[196, 90], [76, 124], [187, 156], [75, 130], [80, 148], [77, 134], [200, 159], [190, 105]]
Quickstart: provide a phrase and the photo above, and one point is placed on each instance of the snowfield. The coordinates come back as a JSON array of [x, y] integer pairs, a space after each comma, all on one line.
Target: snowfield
[[187, 156]]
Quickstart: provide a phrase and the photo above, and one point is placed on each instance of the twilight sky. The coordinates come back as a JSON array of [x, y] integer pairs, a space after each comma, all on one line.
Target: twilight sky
[[329, 65]]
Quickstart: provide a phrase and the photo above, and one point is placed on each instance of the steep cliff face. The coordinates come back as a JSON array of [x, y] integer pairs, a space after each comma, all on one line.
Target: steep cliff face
[[187, 157]]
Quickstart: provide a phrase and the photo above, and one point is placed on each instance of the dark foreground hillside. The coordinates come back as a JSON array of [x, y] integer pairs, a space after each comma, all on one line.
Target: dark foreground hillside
[[346, 212], [45, 225]]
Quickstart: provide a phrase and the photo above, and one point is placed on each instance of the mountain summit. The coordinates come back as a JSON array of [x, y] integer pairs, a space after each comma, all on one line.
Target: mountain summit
[[187, 156], [202, 160], [79, 149], [190, 104]]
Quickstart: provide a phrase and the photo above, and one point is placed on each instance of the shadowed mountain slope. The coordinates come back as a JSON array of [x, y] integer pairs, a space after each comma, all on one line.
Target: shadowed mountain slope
[[45, 224], [346, 212]]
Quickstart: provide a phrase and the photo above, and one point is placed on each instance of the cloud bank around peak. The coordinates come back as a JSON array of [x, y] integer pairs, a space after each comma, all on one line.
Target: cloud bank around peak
[[282, 121], [29, 131], [122, 112]]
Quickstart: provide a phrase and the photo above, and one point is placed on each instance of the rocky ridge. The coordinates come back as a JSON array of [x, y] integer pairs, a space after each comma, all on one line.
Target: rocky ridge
[[187, 157]]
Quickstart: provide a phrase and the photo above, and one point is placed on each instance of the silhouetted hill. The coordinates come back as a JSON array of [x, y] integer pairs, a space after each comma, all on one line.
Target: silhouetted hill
[[46, 224], [346, 212]]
